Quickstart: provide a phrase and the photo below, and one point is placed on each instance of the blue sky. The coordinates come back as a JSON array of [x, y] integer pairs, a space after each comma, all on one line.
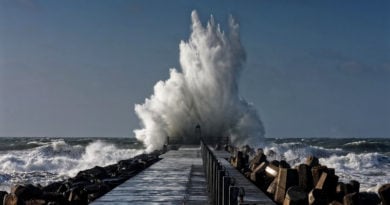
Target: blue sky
[[76, 68]]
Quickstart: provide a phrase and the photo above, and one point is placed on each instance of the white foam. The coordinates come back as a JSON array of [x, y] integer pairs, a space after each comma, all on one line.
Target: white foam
[[370, 169], [356, 143], [204, 92], [57, 160]]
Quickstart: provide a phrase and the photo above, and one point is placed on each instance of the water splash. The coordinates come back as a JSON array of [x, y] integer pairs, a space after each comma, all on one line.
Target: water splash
[[205, 92]]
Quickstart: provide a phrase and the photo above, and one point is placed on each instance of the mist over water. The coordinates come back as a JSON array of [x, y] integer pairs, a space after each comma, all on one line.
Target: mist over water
[[204, 91]]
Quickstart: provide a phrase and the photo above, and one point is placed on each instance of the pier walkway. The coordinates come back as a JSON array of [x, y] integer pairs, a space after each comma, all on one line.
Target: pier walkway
[[191, 175], [176, 179]]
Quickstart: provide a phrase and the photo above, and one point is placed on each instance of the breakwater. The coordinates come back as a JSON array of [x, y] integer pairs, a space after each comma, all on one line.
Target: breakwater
[[85, 187], [234, 176], [309, 183], [226, 185]]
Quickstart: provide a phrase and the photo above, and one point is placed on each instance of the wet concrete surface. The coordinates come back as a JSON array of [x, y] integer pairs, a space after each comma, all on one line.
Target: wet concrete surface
[[176, 179]]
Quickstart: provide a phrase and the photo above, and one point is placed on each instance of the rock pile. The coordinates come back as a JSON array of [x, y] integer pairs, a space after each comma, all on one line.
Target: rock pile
[[306, 184], [85, 187]]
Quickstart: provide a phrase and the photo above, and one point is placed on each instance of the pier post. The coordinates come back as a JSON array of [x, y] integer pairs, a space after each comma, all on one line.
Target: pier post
[[221, 179], [225, 189], [233, 195]]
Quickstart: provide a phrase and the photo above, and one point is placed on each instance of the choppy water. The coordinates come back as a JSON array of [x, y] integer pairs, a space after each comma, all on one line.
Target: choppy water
[[364, 160], [44, 160]]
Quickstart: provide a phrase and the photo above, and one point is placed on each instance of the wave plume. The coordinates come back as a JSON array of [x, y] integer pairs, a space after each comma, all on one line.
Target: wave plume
[[205, 92]]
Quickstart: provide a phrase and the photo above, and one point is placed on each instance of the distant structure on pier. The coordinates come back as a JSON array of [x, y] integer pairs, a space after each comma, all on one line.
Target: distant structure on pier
[[210, 139], [196, 137], [198, 132]]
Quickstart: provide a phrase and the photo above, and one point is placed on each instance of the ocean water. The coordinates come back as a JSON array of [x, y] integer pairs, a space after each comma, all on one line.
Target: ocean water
[[365, 160], [45, 160]]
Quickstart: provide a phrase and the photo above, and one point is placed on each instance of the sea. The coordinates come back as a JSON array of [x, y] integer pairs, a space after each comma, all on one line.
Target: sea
[[42, 160]]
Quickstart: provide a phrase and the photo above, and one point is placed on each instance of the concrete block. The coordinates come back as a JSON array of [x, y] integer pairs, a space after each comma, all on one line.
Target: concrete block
[[238, 161], [315, 197], [312, 161], [257, 176], [369, 198], [272, 187], [335, 203], [355, 185], [316, 173], [257, 160], [340, 191], [286, 178], [305, 177], [327, 184], [351, 199], [11, 199], [296, 195], [284, 164], [271, 170], [384, 193]]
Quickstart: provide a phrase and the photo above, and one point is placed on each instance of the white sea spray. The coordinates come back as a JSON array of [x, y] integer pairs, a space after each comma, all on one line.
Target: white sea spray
[[57, 160], [204, 91]]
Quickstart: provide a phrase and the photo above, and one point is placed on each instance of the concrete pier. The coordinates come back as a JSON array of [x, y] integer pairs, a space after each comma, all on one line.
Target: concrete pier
[[176, 179], [190, 175], [253, 195], [226, 185]]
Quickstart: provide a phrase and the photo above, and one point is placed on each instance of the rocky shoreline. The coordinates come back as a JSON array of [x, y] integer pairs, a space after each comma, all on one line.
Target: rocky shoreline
[[85, 187], [309, 183]]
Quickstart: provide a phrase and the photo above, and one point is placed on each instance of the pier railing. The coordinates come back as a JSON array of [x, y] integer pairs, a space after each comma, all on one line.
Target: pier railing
[[220, 185], [226, 185]]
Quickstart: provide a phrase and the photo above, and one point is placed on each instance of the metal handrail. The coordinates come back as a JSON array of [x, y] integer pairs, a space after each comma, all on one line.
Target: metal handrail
[[220, 183]]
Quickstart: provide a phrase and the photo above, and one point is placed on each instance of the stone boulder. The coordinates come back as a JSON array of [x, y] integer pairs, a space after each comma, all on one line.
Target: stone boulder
[[384, 193]]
